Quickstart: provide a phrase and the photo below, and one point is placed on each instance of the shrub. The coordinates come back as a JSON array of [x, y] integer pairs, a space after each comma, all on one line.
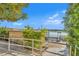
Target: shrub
[[30, 33], [4, 32]]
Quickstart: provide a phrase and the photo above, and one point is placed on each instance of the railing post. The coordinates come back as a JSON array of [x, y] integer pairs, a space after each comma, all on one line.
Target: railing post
[[75, 51], [32, 46], [23, 43], [70, 50], [40, 48], [8, 44]]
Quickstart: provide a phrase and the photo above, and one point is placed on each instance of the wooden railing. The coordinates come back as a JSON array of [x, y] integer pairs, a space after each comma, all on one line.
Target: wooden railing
[[23, 39], [75, 50]]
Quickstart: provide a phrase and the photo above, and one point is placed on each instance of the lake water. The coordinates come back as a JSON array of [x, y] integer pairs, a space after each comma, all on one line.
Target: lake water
[[55, 34]]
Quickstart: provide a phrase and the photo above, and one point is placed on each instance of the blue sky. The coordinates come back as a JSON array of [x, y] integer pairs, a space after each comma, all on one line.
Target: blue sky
[[48, 15]]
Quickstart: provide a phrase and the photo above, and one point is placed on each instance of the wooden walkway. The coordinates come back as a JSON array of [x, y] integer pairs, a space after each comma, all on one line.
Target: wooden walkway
[[56, 49]]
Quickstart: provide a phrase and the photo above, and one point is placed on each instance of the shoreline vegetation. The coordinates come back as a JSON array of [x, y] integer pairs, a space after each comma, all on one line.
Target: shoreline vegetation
[[28, 33]]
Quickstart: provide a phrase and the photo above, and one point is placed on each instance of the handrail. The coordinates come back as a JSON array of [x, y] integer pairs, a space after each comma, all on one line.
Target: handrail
[[24, 39], [20, 38]]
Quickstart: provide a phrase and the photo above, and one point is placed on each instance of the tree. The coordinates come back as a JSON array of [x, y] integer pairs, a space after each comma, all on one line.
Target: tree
[[71, 22], [12, 11]]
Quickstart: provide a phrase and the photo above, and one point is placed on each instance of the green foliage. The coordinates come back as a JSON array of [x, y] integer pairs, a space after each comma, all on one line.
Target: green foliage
[[71, 23], [12, 11], [4, 32], [31, 33], [28, 32]]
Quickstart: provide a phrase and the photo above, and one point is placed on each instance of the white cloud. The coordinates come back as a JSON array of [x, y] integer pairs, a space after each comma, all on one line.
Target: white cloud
[[64, 11], [17, 23], [55, 19], [54, 16], [55, 22]]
